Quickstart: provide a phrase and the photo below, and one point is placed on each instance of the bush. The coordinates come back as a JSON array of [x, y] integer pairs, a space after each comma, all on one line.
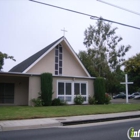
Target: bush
[[91, 100], [46, 88], [37, 102], [107, 99], [99, 88], [63, 103], [78, 100], [56, 102]]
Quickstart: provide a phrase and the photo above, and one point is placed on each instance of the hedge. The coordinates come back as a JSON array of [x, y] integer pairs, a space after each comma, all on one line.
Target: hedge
[[46, 88], [99, 90]]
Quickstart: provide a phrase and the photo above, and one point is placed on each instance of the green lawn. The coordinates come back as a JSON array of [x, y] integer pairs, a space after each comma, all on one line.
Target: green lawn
[[25, 112]]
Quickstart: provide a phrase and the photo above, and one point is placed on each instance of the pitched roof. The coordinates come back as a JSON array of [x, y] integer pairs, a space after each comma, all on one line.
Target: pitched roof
[[25, 65], [27, 62]]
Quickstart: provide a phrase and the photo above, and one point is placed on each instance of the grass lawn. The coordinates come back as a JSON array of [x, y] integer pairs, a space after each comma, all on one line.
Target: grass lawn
[[26, 112]]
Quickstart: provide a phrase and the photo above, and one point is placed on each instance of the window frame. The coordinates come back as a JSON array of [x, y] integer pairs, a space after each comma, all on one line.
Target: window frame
[[58, 60], [80, 83], [73, 90], [65, 95]]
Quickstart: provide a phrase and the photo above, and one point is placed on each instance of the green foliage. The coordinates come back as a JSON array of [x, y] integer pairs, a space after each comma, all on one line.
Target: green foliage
[[63, 103], [46, 88], [132, 68], [37, 102], [99, 88], [4, 56], [107, 99], [90, 62], [113, 82], [103, 40], [86, 58], [91, 100], [56, 102], [105, 55], [78, 100]]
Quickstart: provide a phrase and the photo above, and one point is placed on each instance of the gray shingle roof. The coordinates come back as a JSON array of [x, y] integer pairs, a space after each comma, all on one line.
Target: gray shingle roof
[[26, 63]]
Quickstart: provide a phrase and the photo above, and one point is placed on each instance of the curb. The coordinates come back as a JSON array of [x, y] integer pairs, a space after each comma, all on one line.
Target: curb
[[66, 123], [23, 127]]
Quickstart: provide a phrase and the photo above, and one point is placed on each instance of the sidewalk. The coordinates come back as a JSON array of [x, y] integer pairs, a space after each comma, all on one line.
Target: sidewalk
[[59, 121]]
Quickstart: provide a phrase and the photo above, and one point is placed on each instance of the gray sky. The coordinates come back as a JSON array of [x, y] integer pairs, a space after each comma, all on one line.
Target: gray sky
[[27, 27]]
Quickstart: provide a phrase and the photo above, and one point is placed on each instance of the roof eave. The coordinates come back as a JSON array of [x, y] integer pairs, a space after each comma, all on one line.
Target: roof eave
[[42, 56]]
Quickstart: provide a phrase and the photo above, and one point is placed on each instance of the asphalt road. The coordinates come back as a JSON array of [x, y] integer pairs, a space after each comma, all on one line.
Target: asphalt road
[[109, 131]]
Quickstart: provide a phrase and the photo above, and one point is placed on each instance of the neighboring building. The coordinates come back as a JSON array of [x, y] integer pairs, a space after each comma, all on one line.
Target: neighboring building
[[22, 82]]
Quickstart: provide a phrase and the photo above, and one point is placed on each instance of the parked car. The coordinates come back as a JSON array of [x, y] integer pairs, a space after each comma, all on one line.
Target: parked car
[[137, 97], [133, 95], [121, 95]]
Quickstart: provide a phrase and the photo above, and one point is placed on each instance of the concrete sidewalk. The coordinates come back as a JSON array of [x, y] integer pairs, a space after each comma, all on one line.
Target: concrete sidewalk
[[59, 121]]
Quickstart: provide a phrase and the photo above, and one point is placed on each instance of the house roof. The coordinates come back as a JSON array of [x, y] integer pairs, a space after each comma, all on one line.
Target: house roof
[[25, 65], [27, 62]]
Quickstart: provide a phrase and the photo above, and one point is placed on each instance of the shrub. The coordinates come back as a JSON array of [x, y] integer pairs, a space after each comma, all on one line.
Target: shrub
[[56, 102], [78, 100], [91, 100], [107, 99], [99, 88], [63, 103], [46, 88], [37, 102]]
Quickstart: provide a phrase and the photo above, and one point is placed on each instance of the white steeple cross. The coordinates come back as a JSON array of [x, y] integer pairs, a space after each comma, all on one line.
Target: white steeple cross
[[126, 86], [64, 31]]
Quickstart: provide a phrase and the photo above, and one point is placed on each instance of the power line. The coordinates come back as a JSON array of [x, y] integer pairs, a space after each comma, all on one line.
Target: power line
[[91, 16], [119, 7]]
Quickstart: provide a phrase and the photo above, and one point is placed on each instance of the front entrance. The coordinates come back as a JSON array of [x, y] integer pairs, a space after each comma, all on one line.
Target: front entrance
[[67, 90]]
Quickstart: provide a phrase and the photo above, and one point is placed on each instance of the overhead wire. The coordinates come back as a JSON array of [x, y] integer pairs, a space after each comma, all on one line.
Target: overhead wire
[[136, 13], [81, 13]]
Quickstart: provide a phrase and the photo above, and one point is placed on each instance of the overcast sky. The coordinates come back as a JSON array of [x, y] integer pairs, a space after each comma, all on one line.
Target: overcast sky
[[27, 27]]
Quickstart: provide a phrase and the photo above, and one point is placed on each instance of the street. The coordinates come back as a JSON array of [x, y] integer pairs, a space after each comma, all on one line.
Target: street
[[107, 131]]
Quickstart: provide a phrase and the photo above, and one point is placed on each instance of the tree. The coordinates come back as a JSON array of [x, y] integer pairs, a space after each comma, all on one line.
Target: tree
[[86, 58], [92, 64], [104, 56], [113, 82], [132, 67], [103, 40], [4, 56]]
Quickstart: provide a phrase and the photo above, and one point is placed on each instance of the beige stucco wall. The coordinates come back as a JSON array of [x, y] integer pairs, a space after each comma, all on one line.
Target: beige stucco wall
[[34, 88], [46, 64], [21, 88], [90, 85], [27, 88], [70, 67]]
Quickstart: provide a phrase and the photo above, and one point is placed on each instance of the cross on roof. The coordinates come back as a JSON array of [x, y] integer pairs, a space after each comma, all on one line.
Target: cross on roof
[[126, 86], [64, 31]]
